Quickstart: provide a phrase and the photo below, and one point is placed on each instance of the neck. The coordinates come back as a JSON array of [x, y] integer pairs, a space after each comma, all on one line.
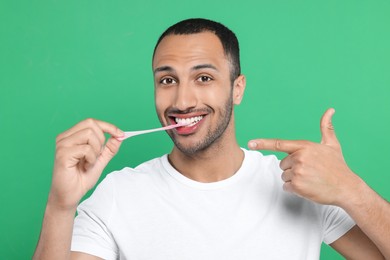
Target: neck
[[219, 161]]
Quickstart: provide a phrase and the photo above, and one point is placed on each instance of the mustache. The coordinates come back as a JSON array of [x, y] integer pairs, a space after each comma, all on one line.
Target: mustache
[[205, 110]]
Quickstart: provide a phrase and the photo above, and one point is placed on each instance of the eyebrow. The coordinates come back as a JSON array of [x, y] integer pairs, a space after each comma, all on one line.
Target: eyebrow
[[163, 68], [197, 67], [204, 66]]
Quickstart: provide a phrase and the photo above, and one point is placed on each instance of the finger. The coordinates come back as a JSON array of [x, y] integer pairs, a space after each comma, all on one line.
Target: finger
[[87, 162], [287, 175], [83, 137], [81, 156], [110, 129], [85, 124], [100, 127], [110, 150], [286, 146], [327, 128], [286, 163], [89, 158], [287, 186]]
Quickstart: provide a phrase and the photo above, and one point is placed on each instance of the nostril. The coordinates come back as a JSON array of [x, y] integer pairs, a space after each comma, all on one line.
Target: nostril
[[185, 99]]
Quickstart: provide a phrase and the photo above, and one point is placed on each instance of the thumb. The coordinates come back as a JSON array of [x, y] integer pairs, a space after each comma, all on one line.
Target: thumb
[[327, 128], [109, 151]]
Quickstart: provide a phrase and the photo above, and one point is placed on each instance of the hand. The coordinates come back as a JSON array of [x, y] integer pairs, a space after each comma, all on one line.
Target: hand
[[316, 171], [81, 157]]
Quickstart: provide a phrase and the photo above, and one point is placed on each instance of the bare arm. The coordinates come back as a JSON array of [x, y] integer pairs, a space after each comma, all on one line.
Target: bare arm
[[355, 244], [318, 172], [372, 215], [81, 156], [57, 226], [56, 237]]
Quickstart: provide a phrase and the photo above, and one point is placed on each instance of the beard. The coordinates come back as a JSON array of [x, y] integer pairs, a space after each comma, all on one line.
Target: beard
[[212, 134]]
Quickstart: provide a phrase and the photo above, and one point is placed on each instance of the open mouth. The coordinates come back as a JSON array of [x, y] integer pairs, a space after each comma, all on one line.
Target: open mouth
[[189, 121]]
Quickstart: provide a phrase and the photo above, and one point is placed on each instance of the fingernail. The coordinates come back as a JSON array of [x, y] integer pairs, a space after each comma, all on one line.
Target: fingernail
[[252, 145], [120, 133]]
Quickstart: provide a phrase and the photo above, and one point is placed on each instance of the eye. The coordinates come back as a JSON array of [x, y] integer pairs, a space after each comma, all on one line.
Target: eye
[[204, 78], [168, 81]]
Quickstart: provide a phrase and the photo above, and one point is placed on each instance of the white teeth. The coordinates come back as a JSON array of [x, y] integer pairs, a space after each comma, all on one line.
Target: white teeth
[[188, 121]]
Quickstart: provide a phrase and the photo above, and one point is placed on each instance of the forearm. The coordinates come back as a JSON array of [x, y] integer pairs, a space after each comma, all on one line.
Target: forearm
[[56, 234], [372, 214]]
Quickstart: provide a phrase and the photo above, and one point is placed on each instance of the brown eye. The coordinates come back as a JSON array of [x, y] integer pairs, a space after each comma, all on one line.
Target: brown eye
[[204, 79], [167, 81]]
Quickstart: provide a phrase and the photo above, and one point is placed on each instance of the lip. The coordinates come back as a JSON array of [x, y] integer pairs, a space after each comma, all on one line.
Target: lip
[[187, 130]]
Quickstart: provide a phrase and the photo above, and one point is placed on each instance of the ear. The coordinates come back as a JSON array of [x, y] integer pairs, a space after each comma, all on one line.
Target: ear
[[238, 89]]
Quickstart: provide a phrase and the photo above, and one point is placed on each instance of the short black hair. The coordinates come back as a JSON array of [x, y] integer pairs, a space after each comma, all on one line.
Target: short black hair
[[226, 36]]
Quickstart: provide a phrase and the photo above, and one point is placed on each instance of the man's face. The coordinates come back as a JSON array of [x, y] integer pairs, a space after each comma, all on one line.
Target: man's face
[[192, 83]]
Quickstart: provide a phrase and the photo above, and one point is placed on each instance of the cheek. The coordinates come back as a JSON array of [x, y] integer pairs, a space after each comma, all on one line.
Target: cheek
[[215, 96], [161, 100]]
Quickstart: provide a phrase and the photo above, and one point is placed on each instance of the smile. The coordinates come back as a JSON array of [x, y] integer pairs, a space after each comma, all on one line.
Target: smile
[[190, 121]]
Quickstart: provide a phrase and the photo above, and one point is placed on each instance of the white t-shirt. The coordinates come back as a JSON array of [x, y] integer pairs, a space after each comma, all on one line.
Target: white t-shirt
[[154, 212]]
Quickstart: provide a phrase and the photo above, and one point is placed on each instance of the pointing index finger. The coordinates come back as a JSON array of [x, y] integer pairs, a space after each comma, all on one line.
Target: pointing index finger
[[278, 145]]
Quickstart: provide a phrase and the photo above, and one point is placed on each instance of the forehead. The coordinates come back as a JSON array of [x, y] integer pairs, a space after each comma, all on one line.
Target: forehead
[[192, 48]]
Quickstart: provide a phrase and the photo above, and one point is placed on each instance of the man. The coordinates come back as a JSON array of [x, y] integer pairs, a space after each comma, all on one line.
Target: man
[[209, 198]]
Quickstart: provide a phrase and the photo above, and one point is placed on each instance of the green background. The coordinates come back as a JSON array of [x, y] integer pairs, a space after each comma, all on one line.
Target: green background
[[64, 61]]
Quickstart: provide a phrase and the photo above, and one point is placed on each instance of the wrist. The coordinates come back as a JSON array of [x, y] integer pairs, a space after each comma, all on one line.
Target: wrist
[[56, 206], [355, 195], [59, 215]]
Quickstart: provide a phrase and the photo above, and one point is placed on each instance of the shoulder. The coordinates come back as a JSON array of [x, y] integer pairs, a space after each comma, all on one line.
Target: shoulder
[[265, 163], [146, 168], [130, 178]]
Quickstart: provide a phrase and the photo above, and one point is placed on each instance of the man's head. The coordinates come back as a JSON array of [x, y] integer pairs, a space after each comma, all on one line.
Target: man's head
[[225, 35], [193, 82]]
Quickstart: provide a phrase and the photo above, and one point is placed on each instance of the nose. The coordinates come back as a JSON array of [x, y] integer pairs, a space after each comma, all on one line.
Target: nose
[[185, 97]]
